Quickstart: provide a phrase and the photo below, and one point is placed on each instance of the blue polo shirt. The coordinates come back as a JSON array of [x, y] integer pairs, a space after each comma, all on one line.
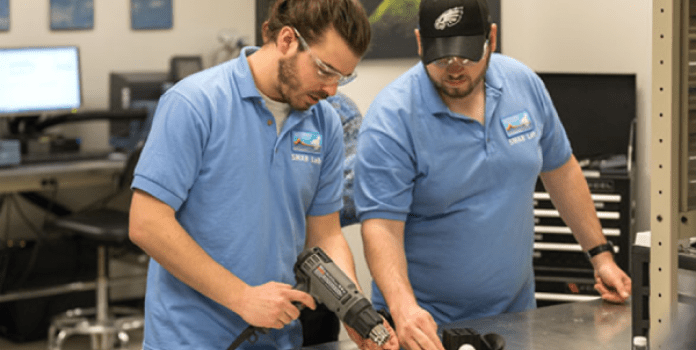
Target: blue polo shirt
[[464, 190], [240, 190]]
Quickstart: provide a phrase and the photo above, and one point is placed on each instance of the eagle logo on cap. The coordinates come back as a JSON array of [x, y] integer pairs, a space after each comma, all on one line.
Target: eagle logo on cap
[[449, 18]]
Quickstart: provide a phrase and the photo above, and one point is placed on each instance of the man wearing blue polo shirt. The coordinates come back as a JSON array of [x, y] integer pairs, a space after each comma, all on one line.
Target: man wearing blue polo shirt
[[448, 158], [241, 171]]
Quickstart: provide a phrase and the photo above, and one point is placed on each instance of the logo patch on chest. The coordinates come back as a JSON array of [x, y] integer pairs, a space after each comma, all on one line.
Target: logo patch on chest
[[517, 124], [307, 142]]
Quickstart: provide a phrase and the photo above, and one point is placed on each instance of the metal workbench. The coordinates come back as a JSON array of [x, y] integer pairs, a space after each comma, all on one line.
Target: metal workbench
[[586, 325]]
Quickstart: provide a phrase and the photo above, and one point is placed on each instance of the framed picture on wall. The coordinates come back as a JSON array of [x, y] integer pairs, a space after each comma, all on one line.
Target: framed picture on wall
[[151, 14], [392, 21], [72, 14], [4, 15]]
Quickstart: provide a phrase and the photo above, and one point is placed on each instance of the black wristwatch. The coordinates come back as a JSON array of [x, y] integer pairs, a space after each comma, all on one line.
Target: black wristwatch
[[606, 247]]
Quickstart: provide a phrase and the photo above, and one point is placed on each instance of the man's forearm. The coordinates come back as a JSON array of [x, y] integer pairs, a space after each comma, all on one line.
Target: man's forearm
[[384, 251], [571, 196], [325, 232]]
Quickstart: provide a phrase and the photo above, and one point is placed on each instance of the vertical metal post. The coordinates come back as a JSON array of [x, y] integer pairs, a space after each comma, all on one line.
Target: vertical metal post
[[102, 295], [665, 199]]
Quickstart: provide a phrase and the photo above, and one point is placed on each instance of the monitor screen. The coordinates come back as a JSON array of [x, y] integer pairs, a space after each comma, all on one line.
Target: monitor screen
[[36, 80], [597, 111]]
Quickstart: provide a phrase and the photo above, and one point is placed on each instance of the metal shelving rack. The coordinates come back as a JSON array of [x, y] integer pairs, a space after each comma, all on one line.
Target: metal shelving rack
[[673, 155]]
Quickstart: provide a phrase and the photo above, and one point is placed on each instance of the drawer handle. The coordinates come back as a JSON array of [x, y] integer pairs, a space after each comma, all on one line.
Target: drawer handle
[[564, 297]]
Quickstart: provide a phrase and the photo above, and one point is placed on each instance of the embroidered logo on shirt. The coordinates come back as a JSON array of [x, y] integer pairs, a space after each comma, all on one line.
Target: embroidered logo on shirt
[[518, 124], [449, 18], [307, 142]]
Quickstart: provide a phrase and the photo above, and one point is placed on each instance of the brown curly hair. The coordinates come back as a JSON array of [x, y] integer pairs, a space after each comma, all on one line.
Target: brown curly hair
[[312, 18]]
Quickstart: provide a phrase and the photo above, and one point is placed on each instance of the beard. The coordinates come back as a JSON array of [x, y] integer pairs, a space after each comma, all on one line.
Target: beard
[[457, 92], [290, 86], [454, 92]]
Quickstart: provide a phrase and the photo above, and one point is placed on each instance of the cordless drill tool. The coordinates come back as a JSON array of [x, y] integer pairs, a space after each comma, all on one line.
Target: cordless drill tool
[[317, 275]]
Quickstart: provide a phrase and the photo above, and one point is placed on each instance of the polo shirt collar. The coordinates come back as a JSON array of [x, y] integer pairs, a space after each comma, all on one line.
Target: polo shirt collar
[[431, 99], [495, 81], [241, 73]]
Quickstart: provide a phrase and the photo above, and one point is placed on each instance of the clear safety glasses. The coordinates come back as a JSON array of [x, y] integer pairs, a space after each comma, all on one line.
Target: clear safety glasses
[[327, 74]]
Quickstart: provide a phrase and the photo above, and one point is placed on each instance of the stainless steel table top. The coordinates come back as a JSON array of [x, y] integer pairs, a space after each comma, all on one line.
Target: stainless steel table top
[[586, 325], [582, 325]]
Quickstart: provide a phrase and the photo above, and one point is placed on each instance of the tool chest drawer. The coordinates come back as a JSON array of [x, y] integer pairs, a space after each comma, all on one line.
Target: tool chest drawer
[[563, 273]]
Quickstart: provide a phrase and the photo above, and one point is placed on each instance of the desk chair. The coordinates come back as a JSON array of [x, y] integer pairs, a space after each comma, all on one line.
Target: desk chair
[[106, 228]]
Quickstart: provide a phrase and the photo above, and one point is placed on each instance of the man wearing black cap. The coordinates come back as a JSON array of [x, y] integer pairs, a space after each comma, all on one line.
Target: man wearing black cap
[[448, 158]]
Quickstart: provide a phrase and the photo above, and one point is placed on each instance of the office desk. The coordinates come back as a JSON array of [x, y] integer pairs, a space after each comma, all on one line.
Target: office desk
[[585, 325], [58, 175], [61, 175]]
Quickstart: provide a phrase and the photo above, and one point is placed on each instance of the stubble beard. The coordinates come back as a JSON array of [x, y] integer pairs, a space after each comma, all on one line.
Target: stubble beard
[[288, 81], [453, 92], [290, 86]]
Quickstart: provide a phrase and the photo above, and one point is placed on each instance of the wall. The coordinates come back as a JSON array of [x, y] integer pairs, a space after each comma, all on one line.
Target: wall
[[113, 46]]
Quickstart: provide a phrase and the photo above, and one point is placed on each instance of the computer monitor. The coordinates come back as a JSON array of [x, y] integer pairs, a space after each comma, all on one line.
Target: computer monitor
[[38, 80], [596, 109]]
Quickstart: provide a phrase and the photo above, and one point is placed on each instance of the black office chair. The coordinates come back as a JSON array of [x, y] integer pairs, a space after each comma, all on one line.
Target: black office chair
[[106, 228]]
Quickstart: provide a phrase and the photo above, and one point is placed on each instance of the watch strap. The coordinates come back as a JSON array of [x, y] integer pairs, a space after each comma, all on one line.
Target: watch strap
[[606, 247]]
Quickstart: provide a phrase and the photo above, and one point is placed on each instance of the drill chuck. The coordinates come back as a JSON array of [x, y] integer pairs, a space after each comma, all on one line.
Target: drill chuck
[[319, 276], [379, 334]]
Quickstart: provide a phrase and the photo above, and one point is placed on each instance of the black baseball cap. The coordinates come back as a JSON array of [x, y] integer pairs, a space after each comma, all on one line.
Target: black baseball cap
[[453, 28]]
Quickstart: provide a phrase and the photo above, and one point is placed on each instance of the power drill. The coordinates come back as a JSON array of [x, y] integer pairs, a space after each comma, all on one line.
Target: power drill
[[320, 277]]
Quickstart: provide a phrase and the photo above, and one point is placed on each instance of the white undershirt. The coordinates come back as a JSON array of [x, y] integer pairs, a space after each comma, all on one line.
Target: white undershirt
[[280, 111]]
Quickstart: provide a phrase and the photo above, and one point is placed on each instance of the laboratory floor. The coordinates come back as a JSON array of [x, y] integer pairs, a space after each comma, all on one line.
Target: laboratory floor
[[77, 342]]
